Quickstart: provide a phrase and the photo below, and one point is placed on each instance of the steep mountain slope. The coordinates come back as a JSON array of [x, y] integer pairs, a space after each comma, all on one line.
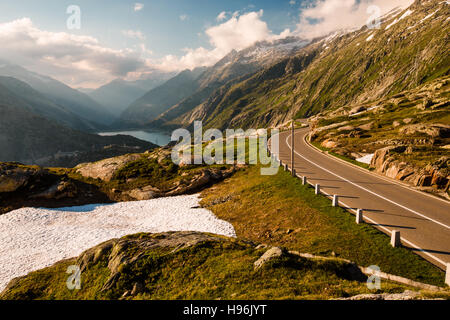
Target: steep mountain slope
[[231, 68], [119, 94], [410, 48], [78, 103], [35, 102], [160, 99], [38, 140]]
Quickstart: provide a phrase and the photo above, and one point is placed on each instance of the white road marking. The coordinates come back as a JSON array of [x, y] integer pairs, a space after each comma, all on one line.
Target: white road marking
[[371, 220], [367, 190]]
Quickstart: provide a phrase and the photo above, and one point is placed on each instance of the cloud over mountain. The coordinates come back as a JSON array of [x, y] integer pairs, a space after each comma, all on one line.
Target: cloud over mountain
[[74, 58], [321, 17], [237, 33]]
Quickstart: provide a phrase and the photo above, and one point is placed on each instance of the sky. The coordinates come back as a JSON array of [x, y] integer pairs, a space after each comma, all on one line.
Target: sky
[[97, 41]]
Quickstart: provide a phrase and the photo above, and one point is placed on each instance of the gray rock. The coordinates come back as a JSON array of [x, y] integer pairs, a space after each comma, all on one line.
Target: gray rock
[[272, 253], [105, 169], [137, 288], [407, 295]]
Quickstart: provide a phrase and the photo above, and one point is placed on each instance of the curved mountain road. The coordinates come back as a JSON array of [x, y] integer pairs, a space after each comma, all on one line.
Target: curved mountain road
[[423, 220]]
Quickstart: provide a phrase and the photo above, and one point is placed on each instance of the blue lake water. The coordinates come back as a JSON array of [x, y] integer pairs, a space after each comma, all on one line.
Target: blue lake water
[[158, 138]]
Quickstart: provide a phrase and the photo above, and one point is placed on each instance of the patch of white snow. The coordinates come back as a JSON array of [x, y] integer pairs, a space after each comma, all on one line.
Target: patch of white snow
[[35, 238]]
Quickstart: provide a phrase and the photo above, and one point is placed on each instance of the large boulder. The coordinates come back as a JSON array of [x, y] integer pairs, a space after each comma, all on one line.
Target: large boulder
[[105, 169], [126, 251], [346, 128], [330, 144], [271, 254], [366, 127], [145, 193], [381, 158]]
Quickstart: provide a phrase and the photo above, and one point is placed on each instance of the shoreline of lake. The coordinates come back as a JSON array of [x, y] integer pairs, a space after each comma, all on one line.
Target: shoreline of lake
[[159, 138]]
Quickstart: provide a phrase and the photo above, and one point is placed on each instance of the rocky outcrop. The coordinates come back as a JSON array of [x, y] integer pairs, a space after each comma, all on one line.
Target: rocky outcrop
[[271, 254], [202, 179], [382, 157], [330, 144], [14, 176], [433, 130], [435, 175], [57, 191], [407, 295], [33, 186], [129, 250], [105, 169], [145, 193], [33, 182]]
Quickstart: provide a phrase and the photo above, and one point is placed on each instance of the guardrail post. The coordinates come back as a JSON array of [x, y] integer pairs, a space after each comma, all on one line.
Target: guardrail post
[[304, 180], [335, 201], [395, 239], [447, 275], [317, 191], [359, 216]]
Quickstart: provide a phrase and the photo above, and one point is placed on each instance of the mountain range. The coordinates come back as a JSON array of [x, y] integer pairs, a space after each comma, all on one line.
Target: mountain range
[[36, 129], [118, 94], [78, 103], [190, 88], [271, 82]]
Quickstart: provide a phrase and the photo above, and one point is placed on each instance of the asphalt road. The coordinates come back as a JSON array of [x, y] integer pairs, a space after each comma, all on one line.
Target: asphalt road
[[423, 220]]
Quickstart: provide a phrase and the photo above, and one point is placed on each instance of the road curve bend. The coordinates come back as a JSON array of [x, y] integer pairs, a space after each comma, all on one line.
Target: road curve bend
[[423, 220]]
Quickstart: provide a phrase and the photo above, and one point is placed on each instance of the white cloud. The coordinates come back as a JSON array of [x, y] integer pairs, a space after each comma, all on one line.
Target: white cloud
[[138, 6], [325, 16], [292, 2], [239, 32], [73, 59], [184, 17], [222, 16], [134, 34]]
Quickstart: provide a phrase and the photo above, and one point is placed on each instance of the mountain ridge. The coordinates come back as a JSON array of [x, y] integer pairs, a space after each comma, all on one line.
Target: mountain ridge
[[333, 71], [75, 101]]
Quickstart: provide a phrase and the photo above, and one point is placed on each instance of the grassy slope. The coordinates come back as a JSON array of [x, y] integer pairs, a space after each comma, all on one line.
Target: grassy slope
[[209, 270], [278, 210]]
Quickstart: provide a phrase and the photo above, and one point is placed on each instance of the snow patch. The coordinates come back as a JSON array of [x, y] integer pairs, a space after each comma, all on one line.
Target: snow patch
[[370, 37], [366, 159], [429, 16], [406, 14], [35, 238]]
